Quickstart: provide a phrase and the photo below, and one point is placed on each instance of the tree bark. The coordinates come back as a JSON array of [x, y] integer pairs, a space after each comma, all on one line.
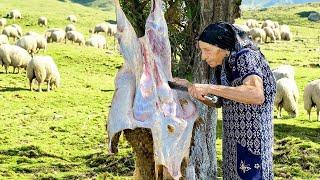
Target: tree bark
[[203, 159]]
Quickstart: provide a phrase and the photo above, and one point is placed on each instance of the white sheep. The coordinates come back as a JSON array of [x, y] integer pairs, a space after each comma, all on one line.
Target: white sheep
[[70, 27], [112, 29], [311, 97], [48, 33], [277, 33], [28, 43], [19, 29], [258, 35], [58, 36], [3, 22], [283, 71], [75, 36], [4, 39], [10, 31], [43, 69], [97, 41], [101, 27], [268, 23], [12, 55], [276, 24], [287, 97], [252, 23], [42, 21], [285, 33], [269, 33], [72, 18], [14, 14], [41, 40]]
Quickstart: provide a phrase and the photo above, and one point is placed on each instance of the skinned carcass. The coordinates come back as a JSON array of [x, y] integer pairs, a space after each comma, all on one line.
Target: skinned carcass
[[142, 97]]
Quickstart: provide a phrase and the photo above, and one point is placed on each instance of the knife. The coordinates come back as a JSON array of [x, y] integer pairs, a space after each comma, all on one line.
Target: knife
[[176, 86]]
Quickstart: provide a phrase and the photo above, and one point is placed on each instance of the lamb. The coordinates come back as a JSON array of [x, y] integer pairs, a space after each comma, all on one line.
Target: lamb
[[28, 43], [14, 14], [12, 55], [3, 22], [283, 71], [48, 33], [3, 39], [72, 18], [252, 23], [97, 41], [43, 69], [269, 33], [42, 21], [70, 27], [10, 31], [277, 33], [311, 97], [258, 35], [286, 97], [58, 36], [75, 36]]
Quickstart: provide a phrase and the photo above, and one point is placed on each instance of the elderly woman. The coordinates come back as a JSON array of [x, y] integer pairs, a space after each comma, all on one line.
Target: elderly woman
[[245, 86]]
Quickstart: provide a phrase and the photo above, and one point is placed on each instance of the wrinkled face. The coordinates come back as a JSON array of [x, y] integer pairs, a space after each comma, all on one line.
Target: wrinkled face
[[213, 55]]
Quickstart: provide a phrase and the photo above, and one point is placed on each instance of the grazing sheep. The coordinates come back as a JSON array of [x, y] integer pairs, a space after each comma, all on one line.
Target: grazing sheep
[[70, 27], [269, 33], [10, 31], [28, 43], [285, 33], [41, 40], [252, 23], [72, 18], [75, 36], [268, 23], [258, 35], [102, 27], [12, 55], [43, 69], [14, 14], [112, 29], [42, 21], [48, 33], [244, 28], [276, 24], [58, 36], [311, 97], [3, 22], [4, 39], [277, 33], [287, 97], [97, 41], [19, 29], [283, 71]]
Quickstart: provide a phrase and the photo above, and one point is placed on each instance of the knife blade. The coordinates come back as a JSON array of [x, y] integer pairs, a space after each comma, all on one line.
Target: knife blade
[[176, 86]]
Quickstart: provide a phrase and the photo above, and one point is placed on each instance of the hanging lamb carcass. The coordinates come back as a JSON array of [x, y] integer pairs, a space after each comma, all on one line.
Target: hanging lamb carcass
[[143, 98]]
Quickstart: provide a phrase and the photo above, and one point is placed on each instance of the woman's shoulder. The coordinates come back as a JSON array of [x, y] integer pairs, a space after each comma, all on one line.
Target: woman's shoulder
[[246, 51]]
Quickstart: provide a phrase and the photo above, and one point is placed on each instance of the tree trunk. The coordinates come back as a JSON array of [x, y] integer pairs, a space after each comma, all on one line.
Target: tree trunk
[[203, 160], [202, 163]]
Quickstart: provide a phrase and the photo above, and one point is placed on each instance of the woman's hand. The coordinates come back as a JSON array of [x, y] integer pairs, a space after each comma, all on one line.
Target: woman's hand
[[182, 82], [198, 91]]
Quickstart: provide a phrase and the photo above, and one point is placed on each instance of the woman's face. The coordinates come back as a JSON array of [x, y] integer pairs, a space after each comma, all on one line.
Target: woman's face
[[213, 55]]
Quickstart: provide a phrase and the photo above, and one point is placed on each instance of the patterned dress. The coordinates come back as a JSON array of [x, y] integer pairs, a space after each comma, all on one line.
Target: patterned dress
[[247, 129]]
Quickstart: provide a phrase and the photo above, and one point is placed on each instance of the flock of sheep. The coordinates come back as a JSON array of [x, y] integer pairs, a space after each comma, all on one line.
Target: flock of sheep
[[43, 68], [287, 93], [267, 31]]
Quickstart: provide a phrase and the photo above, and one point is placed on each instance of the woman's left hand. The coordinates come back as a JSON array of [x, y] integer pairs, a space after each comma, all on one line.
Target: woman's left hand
[[198, 91]]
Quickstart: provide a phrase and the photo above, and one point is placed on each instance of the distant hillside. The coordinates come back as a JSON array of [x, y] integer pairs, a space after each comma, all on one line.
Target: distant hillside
[[270, 3], [105, 5]]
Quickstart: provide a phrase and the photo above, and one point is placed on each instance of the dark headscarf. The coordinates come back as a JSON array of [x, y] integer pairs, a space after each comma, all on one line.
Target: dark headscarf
[[226, 36]]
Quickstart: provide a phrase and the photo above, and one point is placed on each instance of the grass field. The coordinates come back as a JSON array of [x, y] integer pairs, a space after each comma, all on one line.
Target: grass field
[[61, 134]]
